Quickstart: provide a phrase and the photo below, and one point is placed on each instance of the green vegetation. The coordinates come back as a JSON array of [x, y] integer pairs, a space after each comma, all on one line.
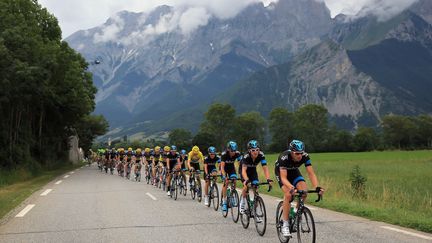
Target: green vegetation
[[12, 194], [46, 92], [397, 189]]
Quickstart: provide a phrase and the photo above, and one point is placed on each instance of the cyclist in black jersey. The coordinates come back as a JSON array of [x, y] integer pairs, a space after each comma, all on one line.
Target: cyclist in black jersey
[[290, 178], [229, 156], [248, 166], [183, 161], [210, 163], [172, 161]]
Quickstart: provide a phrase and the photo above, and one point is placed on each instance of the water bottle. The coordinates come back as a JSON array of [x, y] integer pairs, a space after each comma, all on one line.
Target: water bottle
[[292, 210]]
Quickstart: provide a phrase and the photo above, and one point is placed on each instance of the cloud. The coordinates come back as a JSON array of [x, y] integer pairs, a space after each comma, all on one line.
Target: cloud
[[382, 9], [109, 32], [192, 19]]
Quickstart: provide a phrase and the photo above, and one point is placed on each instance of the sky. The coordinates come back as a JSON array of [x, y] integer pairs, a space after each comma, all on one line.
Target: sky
[[74, 15]]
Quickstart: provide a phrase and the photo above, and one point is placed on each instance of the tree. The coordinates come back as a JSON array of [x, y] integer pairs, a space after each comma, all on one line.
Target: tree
[[218, 121], [281, 128], [89, 128], [398, 131], [365, 139], [180, 137], [339, 140], [204, 140], [311, 126], [249, 126], [424, 130]]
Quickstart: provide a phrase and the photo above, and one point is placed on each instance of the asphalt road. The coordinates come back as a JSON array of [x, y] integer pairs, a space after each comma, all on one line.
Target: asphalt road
[[90, 206]]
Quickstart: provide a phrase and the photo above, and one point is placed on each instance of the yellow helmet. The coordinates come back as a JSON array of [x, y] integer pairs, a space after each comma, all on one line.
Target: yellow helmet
[[157, 149], [118, 150], [122, 149], [129, 149], [195, 149], [138, 151], [147, 150], [167, 148]]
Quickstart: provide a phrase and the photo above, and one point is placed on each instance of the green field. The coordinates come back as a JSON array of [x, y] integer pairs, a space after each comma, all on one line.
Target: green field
[[398, 186]]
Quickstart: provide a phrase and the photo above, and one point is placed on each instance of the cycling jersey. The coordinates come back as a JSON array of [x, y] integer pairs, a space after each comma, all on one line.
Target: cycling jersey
[[286, 162], [183, 161], [138, 157], [229, 162], [173, 159], [251, 165], [107, 154], [113, 155], [147, 157], [195, 159], [211, 163], [157, 158], [129, 156]]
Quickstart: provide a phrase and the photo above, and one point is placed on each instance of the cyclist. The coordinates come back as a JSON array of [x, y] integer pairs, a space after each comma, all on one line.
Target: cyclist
[[290, 178], [146, 158], [183, 159], [107, 158], [248, 170], [163, 161], [137, 164], [228, 168], [128, 164], [156, 157], [210, 163], [172, 160], [194, 158], [113, 159], [120, 164]]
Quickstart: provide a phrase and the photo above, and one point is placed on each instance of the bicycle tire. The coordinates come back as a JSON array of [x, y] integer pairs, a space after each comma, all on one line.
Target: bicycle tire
[[228, 192], [175, 188], [306, 224], [279, 223], [260, 214], [245, 217], [192, 189], [215, 197], [199, 190], [235, 205]]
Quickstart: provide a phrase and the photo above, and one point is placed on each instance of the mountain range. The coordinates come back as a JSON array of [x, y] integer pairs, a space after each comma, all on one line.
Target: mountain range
[[155, 75]]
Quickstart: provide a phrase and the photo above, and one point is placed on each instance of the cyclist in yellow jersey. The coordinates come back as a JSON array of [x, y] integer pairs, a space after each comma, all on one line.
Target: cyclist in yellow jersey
[[156, 157], [195, 157]]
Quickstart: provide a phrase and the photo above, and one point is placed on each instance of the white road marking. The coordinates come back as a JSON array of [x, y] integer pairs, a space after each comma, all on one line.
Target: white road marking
[[58, 182], [66, 176], [25, 211], [407, 232], [151, 196], [46, 192]]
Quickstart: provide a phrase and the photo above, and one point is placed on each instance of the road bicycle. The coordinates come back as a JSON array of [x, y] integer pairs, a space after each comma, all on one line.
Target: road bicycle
[[232, 201], [255, 208], [301, 221], [195, 185], [213, 192]]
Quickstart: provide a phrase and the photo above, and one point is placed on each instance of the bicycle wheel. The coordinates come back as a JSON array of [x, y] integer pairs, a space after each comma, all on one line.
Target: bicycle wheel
[[192, 189], [234, 205], [245, 217], [183, 183], [199, 191], [260, 216], [175, 188], [215, 197], [279, 223], [306, 227], [228, 192]]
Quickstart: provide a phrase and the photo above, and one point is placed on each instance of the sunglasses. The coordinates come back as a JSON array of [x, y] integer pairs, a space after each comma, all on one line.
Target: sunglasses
[[298, 153], [254, 150]]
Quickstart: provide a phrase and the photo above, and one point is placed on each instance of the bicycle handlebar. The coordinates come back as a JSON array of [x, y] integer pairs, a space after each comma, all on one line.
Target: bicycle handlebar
[[301, 192], [263, 183]]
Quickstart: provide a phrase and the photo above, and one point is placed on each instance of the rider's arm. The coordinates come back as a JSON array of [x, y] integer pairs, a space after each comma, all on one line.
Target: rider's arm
[[168, 163], [312, 176], [222, 168], [266, 172], [283, 173], [244, 174], [205, 168], [188, 162]]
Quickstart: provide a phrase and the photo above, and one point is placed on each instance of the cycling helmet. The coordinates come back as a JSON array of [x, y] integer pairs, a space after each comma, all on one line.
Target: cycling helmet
[[211, 150], [157, 149], [173, 148], [167, 149], [252, 144], [138, 151], [183, 152], [129, 149], [296, 146], [147, 150], [195, 149], [231, 146]]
